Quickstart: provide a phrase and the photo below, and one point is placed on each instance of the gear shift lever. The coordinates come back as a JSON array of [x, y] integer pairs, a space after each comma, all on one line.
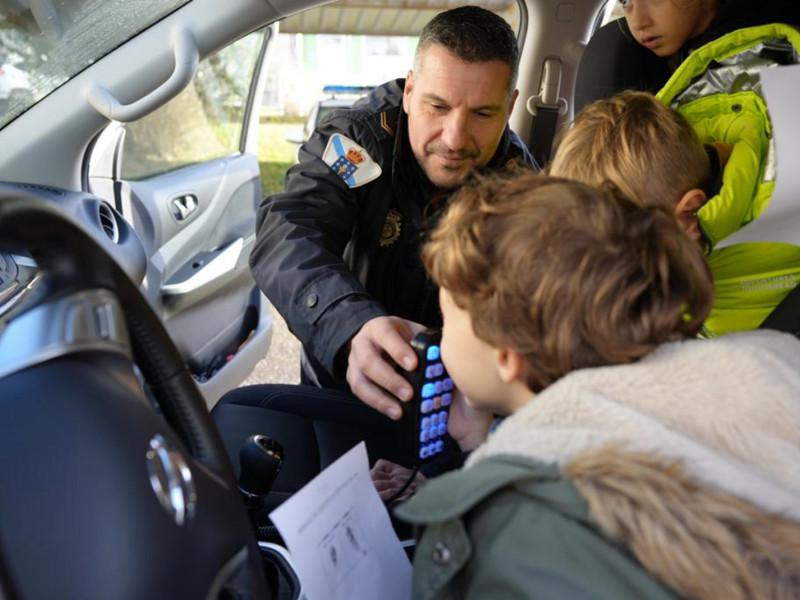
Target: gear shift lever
[[260, 459]]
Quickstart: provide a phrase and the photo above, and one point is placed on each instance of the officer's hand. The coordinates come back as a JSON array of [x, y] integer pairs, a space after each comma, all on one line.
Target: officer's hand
[[370, 367]]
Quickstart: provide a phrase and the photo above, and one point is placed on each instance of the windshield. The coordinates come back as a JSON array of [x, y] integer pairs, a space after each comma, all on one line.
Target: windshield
[[44, 43]]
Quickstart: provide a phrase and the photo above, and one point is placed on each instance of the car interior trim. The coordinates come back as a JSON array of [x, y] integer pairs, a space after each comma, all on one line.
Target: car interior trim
[[187, 57], [86, 321], [283, 561], [16, 292], [226, 573], [207, 269]]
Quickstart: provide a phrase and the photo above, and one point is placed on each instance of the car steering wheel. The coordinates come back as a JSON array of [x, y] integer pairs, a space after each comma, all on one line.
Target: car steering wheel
[[106, 492]]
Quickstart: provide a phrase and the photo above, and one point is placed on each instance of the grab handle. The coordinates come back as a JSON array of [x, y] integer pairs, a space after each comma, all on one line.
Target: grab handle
[[186, 60]]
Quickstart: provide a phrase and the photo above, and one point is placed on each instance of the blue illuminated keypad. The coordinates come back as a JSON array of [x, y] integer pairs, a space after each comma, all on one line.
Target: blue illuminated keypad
[[436, 397]]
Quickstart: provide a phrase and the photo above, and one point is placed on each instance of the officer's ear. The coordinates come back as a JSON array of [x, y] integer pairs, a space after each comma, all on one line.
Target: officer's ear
[[514, 97], [407, 90]]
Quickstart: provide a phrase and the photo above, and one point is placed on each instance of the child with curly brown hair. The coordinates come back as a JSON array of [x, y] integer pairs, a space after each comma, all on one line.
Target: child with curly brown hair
[[635, 461]]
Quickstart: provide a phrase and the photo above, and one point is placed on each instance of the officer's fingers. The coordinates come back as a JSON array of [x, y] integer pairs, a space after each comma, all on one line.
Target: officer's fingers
[[365, 344], [392, 335], [371, 395], [393, 470], [384, 375], [368, 361], [379, 474], [388, 493], [382, 479]]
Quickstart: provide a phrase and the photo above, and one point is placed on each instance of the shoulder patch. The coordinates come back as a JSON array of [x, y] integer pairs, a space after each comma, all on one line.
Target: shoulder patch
[[349, 161]]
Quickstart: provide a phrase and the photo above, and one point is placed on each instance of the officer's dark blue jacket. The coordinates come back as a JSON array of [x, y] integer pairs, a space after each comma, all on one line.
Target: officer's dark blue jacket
[[330, 257]]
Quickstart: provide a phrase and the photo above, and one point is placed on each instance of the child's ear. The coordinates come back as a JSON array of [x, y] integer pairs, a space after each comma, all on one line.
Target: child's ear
[[509, 364], [686, 211]]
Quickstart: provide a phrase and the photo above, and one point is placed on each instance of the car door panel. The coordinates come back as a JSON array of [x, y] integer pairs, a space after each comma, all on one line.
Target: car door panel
[[184, 179], [199, 260]]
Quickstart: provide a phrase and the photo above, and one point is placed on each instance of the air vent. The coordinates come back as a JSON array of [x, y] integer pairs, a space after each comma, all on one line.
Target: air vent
[[108, 220]]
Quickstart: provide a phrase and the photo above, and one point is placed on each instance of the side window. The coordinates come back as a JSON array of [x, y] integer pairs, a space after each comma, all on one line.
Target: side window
[[203, 122], [44, 44]]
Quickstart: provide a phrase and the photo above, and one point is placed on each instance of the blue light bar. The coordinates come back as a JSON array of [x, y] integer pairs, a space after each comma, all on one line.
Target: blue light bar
[[346, 89]]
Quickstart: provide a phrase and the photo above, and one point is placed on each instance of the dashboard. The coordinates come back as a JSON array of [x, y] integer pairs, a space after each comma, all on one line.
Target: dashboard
[[19, 273]]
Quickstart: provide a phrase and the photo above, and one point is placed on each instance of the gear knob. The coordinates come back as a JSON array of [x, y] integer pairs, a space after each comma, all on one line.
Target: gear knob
[[260, 459]]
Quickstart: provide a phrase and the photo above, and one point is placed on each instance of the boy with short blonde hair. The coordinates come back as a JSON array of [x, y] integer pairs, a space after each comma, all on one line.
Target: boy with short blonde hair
[[650, 152], [644, 148]]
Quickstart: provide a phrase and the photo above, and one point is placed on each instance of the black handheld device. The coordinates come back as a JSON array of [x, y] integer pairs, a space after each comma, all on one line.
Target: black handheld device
[[427, 413]]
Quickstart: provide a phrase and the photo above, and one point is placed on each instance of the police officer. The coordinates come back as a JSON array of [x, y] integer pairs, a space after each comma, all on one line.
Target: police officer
[[337, 250]]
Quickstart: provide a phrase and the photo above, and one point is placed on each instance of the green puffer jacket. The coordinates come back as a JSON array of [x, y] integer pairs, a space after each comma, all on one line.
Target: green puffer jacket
[[718, 89], [532, 529]]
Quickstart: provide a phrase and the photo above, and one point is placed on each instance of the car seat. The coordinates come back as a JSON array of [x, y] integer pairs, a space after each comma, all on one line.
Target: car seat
[[614, 61]]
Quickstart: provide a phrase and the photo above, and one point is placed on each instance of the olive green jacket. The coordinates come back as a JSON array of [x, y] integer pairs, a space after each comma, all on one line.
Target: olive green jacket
[[718, 89], [677, 475], [536, 539]]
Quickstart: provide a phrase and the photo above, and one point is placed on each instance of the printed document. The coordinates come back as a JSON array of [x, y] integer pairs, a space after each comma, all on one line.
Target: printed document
[[341, 538]]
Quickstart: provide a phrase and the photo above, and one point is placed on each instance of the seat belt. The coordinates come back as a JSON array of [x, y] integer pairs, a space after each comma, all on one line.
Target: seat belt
[[545, 108], [543, 130]]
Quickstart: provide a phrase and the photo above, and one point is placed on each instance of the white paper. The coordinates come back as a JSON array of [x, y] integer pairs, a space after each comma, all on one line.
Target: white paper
[[341, 538], [780, 221]]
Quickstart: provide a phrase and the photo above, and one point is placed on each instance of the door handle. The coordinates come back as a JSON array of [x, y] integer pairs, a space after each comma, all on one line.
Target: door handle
[[205, 269], [183, 207]]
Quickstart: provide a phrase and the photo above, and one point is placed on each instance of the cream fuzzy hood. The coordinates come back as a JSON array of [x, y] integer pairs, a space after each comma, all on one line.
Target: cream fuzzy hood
[[728, 409]]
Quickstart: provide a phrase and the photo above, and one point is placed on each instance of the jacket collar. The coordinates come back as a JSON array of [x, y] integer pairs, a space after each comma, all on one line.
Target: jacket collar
[[733, 423], [456, 493]]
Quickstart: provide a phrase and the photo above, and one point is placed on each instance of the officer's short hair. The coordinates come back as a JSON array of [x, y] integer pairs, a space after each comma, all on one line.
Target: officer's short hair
[[472, 34], [568, 275]]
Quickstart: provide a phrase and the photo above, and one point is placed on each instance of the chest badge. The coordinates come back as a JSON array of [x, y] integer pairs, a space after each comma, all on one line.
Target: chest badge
[[391, 228], [349, 161]]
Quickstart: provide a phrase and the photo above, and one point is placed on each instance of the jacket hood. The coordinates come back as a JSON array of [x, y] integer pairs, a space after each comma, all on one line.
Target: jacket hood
[[700, 542]]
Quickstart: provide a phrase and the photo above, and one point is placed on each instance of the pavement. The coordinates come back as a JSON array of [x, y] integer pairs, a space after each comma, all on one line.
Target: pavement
[[282, 362]]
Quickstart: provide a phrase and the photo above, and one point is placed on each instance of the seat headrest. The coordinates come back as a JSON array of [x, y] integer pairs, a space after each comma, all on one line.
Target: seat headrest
[[614, 61]]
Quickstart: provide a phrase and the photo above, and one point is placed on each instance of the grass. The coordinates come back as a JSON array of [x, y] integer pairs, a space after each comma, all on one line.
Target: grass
[[275, 154]]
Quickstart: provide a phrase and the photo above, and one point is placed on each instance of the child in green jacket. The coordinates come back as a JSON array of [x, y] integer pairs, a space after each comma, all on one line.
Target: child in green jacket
[[717, 50], [653, 154], [635, 461]]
